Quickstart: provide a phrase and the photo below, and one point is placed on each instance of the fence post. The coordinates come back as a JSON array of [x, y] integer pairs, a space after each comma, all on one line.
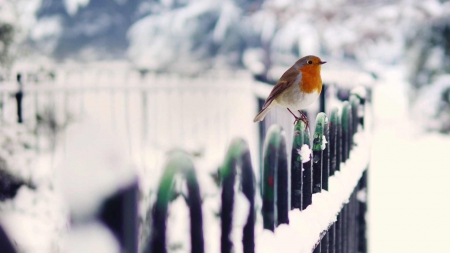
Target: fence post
[[120, 214], [333, 140], [275, 206], [346, 130], [362, 209], [238, 156], [179, 163], [5, 243], [318, 150], [336, 128], [302, 164], [301, 170], [19, 97], [322, 106], [321, 170]]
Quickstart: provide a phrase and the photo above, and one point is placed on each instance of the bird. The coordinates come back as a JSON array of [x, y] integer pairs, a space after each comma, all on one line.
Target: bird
[[297, 88]]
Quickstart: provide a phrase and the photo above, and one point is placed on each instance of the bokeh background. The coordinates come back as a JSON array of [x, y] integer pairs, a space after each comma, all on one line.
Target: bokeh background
[[115, 85]]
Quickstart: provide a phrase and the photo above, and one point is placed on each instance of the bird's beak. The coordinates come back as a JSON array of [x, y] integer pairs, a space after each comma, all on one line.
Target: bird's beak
[[322, 62]]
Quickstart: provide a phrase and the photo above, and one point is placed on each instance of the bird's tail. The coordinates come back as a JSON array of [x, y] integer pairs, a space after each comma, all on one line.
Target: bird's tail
[[262, 114]]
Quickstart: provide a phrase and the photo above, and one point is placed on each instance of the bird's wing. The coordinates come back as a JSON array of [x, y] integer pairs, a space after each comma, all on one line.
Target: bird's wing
[[286, 80]]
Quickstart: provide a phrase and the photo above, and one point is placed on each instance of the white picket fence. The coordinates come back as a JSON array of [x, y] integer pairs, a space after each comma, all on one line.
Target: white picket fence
[[155, 112]]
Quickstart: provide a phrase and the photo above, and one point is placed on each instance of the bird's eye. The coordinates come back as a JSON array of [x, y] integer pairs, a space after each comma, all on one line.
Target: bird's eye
[[309, 62]]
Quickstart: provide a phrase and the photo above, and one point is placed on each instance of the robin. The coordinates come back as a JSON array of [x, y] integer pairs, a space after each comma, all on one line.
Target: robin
[[297, 88]]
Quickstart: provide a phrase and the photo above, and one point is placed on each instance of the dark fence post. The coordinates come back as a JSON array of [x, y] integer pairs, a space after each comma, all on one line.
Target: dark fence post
[[323, 95], [307, 187], [301, 171], [19, 97], [238, 156], [333, 140], [362, 209], [179, 163], [346, 130], [120, 214], [335, 144], [296, 167], [275, 207], [5, 244], [355, 103], [318, 149]]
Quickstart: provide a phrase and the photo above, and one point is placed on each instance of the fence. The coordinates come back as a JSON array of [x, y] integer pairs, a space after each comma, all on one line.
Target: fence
[[310, 174], [145, 111], [288, 181]]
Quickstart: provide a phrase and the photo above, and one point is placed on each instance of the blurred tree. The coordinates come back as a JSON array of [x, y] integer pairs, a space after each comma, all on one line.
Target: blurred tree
[[428, 51]]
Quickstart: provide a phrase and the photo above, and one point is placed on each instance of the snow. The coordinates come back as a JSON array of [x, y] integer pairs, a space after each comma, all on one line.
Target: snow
[[241, 210], [47, 27], [93, 152], [408, 179], [305, 153], [324, 142], [305, 226], [72, 6], [93, 237], [35, 219]]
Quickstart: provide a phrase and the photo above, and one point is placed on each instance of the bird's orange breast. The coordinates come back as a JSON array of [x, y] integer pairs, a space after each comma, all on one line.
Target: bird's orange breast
[[311, 80]]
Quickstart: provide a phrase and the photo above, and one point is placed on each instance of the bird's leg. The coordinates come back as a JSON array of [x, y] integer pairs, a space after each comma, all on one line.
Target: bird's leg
[[304, 118], [296, 118]]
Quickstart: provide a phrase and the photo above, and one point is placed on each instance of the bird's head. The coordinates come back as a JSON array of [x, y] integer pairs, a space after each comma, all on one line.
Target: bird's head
[[309, 63]]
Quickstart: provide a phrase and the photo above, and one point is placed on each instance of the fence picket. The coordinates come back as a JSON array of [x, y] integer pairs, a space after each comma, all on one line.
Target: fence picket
[[296, 167], [318, 149], [238, 156], [120, 214], [274, 165], [346, 130], [179, 163]]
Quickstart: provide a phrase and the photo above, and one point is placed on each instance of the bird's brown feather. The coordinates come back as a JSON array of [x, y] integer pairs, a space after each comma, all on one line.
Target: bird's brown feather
[[286, 80]]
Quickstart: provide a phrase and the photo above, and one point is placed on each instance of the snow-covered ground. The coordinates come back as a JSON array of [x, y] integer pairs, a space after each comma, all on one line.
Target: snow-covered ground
[[409, 179]]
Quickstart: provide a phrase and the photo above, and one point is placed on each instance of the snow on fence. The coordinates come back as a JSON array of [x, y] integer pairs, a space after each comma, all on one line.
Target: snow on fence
[[317, 204], [313, 197]]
